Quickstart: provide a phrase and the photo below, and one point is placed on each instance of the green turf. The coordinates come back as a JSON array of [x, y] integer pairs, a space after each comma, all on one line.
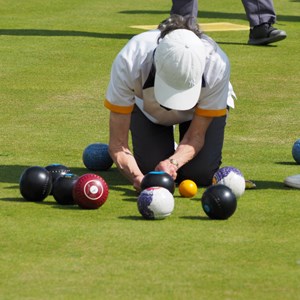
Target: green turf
[[54, 70]]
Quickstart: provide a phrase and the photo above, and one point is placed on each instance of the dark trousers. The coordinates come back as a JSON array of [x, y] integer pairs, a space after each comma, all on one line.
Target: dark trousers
[[257, 11], [153, 143]]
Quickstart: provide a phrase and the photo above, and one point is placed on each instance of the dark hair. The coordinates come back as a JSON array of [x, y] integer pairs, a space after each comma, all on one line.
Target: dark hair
[[179, 22]]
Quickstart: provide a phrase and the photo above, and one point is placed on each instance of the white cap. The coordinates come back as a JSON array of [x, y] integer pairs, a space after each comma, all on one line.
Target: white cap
[[179, 61]]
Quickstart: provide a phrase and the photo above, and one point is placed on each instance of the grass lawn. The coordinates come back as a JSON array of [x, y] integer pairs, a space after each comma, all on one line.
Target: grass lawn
[[54, 70]]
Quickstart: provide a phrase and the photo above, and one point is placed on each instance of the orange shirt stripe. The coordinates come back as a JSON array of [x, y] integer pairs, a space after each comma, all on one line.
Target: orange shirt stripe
[[210, 113], [117, 108]]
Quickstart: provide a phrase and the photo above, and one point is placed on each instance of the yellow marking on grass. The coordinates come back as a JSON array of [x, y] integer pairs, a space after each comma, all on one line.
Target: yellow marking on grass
[[221, 26]]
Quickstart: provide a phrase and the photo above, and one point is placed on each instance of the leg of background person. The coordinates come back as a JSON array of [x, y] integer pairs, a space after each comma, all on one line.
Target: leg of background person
[[203, 166], [259, 11], [261, 16], [185, 8], [151, 143]]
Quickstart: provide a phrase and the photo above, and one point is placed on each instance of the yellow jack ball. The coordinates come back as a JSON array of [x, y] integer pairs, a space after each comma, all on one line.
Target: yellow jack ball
[[188, 188]]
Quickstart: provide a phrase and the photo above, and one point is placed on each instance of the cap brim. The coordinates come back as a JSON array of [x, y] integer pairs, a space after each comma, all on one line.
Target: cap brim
[[175, 99]]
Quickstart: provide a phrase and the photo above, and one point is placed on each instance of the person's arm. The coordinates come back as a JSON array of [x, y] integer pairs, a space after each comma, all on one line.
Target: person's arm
[[119, 149], [190, 145]]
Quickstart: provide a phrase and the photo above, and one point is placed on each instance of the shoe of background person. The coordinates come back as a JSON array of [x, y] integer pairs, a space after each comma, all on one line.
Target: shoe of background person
[[293, 181], [265, 34]]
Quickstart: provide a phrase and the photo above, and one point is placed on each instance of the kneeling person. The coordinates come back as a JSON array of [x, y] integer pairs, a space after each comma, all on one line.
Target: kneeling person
[[174, 75]]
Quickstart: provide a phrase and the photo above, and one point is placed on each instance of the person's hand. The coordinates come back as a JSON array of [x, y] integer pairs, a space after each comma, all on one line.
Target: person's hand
[[168, 167], [137, 183]]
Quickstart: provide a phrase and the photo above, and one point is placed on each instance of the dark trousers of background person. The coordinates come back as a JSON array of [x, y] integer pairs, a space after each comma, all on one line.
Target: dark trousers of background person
[[257, 11]]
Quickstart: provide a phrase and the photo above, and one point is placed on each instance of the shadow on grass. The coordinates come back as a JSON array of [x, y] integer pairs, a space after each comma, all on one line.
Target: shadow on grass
[[126, 36], [46, 202], [22, 200], [14, 199], [205, 218], [133, 218], [65, 33], [245, 44], [268, 185], [53, 204], [42, 32], [140, 218], [287, 163], [11, 174], [212, 14], [12, 187], [144, 12], [67, 207]]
